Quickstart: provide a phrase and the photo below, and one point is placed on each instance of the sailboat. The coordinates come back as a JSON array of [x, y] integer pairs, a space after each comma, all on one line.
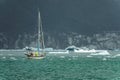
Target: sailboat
[[40, 53]]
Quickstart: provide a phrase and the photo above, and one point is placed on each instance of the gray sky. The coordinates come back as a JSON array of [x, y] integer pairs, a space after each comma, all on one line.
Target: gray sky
[[83, 16]]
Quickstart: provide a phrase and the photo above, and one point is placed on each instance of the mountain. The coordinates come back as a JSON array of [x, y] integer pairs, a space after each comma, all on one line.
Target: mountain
[[106, 40]]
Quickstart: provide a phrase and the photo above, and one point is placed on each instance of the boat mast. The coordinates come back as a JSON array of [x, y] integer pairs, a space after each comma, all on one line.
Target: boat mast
[[40, 33], [42, 37]]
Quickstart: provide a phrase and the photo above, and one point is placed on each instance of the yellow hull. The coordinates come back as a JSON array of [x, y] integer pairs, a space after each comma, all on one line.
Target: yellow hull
[[38, 57], [29, 56]]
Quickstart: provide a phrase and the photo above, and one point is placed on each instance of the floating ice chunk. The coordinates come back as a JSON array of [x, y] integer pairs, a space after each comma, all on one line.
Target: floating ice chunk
[[13, 58], [3, 57], [69, 59], [62, 56], [104, 59], [89, 56], [101, 52], [117, 55], [75, 56], [10, 54]]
